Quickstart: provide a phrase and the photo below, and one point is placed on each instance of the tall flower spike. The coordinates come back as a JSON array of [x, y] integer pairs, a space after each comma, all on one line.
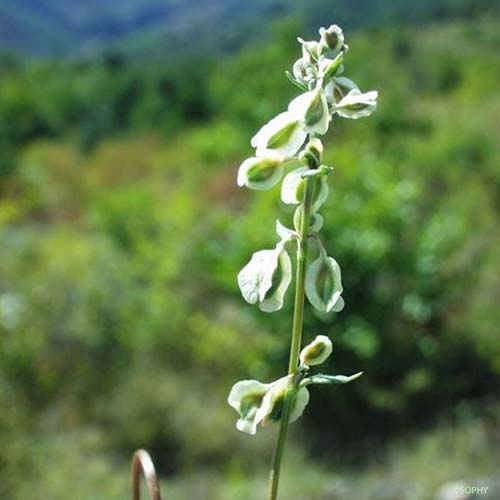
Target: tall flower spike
[[281, 144]]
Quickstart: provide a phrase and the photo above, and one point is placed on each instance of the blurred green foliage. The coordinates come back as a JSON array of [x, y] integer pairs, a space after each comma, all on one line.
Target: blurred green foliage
[[122, 231]]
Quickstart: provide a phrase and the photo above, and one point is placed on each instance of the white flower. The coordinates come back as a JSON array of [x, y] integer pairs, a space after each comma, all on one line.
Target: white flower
[[261, 172], [259, 403], [316, 352], [246, 398], [305, 73], [323, 285], [357, 104], [312, 109], [265, 279], [310, 50], [284, 134], [292, 189], [331, 38]]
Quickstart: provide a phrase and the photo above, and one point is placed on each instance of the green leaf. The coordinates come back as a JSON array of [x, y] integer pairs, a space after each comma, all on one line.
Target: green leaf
[[321, 378], [296, 82]]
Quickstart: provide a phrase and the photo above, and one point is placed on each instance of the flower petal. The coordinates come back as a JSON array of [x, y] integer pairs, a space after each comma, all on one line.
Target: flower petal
[[357, 104], [255, 278], [261, 172], [292, 188], [284, 232], [332, 38], [246, 398], [284, 134], [266, 278], [281, 279], [323, 283], [312, 108], [301, 401]]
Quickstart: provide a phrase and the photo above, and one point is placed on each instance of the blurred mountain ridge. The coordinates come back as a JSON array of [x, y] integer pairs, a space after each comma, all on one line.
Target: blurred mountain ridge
[[85, 28]]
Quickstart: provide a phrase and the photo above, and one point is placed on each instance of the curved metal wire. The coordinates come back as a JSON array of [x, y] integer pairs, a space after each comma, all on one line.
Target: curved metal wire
[[141, 462]]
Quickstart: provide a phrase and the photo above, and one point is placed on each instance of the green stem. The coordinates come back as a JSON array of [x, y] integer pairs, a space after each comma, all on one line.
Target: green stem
[[298, 320]]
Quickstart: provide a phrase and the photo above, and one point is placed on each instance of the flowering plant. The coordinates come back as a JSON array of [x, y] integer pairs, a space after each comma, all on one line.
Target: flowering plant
[[291, 141]]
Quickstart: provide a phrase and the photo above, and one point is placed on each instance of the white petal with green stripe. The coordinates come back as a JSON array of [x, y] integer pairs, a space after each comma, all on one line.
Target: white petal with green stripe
[[284, 134], [357, 104], [312, 108], [261, 172]]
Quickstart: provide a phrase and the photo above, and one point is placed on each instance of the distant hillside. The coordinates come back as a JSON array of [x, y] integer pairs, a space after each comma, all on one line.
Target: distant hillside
[[86, 27]]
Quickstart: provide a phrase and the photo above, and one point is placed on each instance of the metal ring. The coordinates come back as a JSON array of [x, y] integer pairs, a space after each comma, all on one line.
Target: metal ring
[[141, 462]]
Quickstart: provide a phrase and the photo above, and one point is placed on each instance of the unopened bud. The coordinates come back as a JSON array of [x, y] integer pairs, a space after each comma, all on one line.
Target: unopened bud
[[312, 153], [316, 352]]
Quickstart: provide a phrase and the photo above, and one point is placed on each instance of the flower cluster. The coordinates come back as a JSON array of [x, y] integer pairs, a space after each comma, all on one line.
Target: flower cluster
[[326, 93], [288, 149], [278, 145], [258, 403]]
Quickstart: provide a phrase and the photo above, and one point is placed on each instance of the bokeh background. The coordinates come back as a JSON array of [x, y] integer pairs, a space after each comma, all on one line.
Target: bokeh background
[[122, 124]]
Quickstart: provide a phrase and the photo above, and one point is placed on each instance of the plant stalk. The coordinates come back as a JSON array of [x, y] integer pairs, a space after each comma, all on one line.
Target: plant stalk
[[296, 343]]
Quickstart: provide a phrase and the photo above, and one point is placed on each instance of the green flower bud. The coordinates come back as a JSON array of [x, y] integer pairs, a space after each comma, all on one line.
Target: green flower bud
[[305, 73], [312, 153], [284, 135], [331, 67], [261, 172], [317, 352], [357, 104], [323, 285], [332, 38]]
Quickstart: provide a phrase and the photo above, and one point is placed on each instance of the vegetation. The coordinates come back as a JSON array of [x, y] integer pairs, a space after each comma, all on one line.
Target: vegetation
[[122, 229]]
